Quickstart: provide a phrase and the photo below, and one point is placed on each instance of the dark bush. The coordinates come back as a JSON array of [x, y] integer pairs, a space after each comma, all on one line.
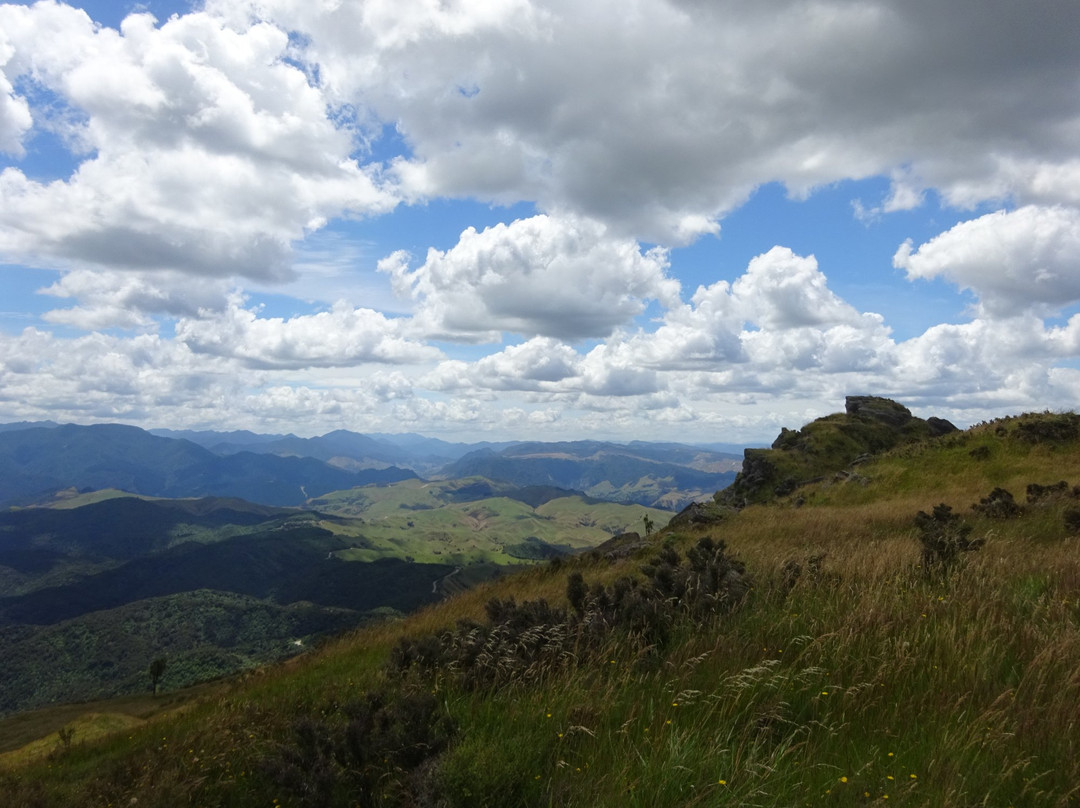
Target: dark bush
[[1072, 520], [395, 733], [576, 590], [944, 536], [363, 754], [423, 652], [998, 505], [1052, 428], [1039, 493], [527, 640]]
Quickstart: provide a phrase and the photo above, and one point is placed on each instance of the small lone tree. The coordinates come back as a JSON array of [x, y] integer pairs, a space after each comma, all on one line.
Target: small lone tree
[[64, 736], [157, 670], [648, 524]]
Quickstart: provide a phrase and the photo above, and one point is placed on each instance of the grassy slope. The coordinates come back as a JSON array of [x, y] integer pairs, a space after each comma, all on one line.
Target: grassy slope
[[35, 734], [864, 684]]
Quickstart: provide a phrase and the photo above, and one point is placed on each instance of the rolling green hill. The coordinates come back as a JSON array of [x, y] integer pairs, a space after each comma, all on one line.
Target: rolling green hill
[[668, 476], [125, 527], [71, 574], [471, 520], [823, 647]]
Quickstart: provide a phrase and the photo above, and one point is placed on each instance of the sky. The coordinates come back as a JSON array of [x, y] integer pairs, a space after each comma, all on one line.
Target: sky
[[687, 220]]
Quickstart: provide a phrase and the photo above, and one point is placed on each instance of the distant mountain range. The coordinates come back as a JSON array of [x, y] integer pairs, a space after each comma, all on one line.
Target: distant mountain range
[[660, 475], [39, 459], [350, 450]]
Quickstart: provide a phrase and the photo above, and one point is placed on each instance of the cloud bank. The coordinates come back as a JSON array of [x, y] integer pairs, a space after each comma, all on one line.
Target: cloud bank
[[204, 154]]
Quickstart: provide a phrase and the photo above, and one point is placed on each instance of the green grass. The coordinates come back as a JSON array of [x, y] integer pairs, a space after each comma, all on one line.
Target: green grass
[[863, 683], [420, 521], [30, 734], [65, 500]]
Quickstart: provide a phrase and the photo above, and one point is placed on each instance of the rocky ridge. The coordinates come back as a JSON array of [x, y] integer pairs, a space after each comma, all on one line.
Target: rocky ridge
[[829, 445]]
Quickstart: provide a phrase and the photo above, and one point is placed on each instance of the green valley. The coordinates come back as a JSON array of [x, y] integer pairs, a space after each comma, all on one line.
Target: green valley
[[100, 583], [473, 520]]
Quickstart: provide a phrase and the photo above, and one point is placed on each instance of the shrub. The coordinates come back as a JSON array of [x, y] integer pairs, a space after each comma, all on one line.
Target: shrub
[[1053, 428], [533, 638], [1072, 520], [364, 754], [1039, 493], [944, 536], [576, 590], [998, 505]]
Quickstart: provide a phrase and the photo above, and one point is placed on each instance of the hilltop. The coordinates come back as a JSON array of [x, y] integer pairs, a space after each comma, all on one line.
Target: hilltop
[[907, 636], [868, 425]]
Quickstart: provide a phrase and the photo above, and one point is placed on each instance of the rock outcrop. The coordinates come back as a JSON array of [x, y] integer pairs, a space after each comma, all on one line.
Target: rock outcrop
[[827, 446], [879, 409]]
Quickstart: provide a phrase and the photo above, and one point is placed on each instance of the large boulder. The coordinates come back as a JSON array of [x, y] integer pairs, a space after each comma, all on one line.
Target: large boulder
[[697, 513]]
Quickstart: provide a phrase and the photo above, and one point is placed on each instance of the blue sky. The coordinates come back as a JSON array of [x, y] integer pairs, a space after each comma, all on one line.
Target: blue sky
[[654, 219]]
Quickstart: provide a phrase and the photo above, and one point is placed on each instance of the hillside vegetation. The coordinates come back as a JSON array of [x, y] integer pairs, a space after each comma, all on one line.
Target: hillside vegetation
[[824, 645], [95, 588], [203, 634]]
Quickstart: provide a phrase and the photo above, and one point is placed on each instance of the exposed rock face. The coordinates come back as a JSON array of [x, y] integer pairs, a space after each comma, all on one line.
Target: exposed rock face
[[880, 409], [939, 426], [697, 513], [756, 468], [890, 412]]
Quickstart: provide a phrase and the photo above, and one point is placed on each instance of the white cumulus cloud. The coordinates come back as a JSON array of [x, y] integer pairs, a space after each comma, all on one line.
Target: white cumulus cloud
[[130, 299], [204, 150], [659, 117], [339, 337], [1012, 260], [544, 276]]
